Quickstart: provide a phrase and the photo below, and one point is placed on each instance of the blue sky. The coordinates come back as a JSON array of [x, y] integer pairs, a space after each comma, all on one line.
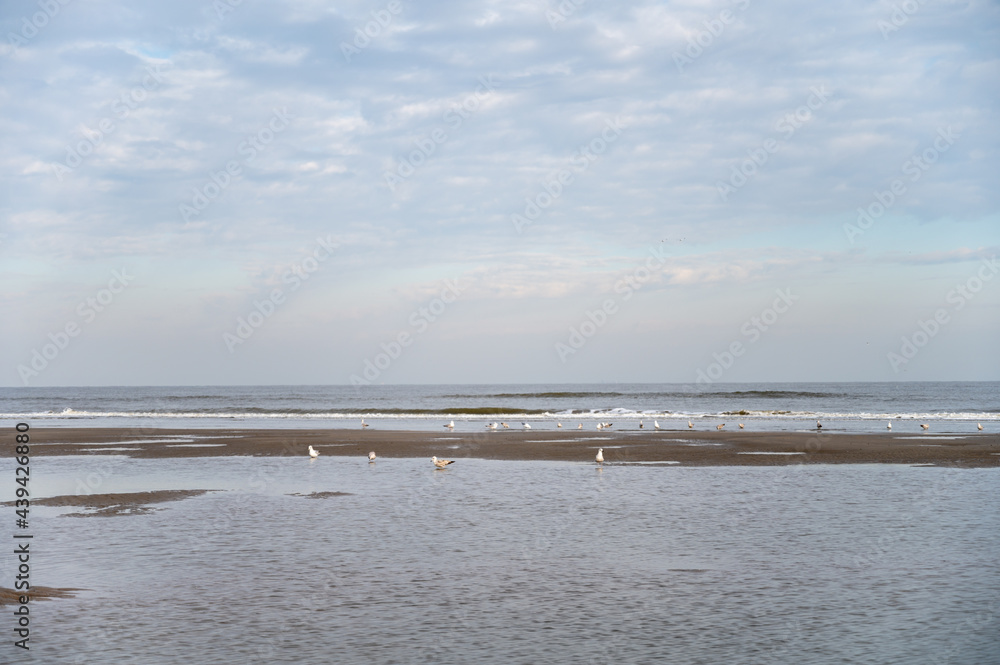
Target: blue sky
[[532, 191]]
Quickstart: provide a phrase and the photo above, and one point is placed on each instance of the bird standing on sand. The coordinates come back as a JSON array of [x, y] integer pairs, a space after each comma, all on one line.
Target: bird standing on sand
[[558, 424], [719, 427], [580, 426], [525, 425], [505, 425], [492, 425], [313, 453], [363, 423], [451, 425], [741, 425], [888, 425], [656, 425], [819, 425], [371, 456], [980, 425], [600, 456], [441, 463], [690, 425], [600, 426], [925, 427], [640, 424]]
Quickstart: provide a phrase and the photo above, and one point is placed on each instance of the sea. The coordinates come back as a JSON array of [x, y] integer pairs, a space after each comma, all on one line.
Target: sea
[[852, 407], [338, 560]]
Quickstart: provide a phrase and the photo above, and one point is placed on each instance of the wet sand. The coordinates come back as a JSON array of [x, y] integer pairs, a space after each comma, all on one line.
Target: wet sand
[[690, 448], [11, 596], [109, 505]]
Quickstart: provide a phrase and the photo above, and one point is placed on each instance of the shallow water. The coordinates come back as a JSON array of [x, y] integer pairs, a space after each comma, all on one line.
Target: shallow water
[[517, 562]]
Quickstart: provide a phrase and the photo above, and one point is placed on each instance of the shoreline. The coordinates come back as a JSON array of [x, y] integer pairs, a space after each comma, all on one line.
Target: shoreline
[[688, 448]]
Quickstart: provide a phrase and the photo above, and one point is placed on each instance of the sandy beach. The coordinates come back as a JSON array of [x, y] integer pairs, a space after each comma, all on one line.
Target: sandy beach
[[693, 448]]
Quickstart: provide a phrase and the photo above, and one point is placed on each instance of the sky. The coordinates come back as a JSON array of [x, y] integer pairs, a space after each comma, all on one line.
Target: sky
[[304, 192]]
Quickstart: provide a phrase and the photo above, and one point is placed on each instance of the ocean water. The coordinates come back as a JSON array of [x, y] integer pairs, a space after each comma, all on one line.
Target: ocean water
[[952, 406], [516, 562]]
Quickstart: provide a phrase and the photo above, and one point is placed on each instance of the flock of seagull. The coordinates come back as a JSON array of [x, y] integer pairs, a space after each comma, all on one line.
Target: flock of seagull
[[442, 463]]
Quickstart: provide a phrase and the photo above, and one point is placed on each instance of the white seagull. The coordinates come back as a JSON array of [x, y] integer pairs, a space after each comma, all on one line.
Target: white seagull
[[640, 424], [450, 425], [656, 424], [925, 427], [690, 425], [371, 456], [600, 456], [491, 425], [558, 424], [526, 425], [363, 423], [505, 425], [980, 425], [313, 453], [888, 425], [600, 425], [819, 425], [580, 426], [441, 463], [719, 427], [741, 425]]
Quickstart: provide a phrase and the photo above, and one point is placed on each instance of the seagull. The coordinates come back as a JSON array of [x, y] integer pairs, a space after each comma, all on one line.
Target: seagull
[[450, 425], [980, 425], [313, 453], [491, 425], [600, 425], [526, 425], [925, 427], [719, 427], [371, 456], [363, 423], [888, 425], [505, 425], [558, 424], [580, 426], [819, 425], [656, 424], [441, 463], [741, 425], [690, 425], [640, 424], [600, 456]]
